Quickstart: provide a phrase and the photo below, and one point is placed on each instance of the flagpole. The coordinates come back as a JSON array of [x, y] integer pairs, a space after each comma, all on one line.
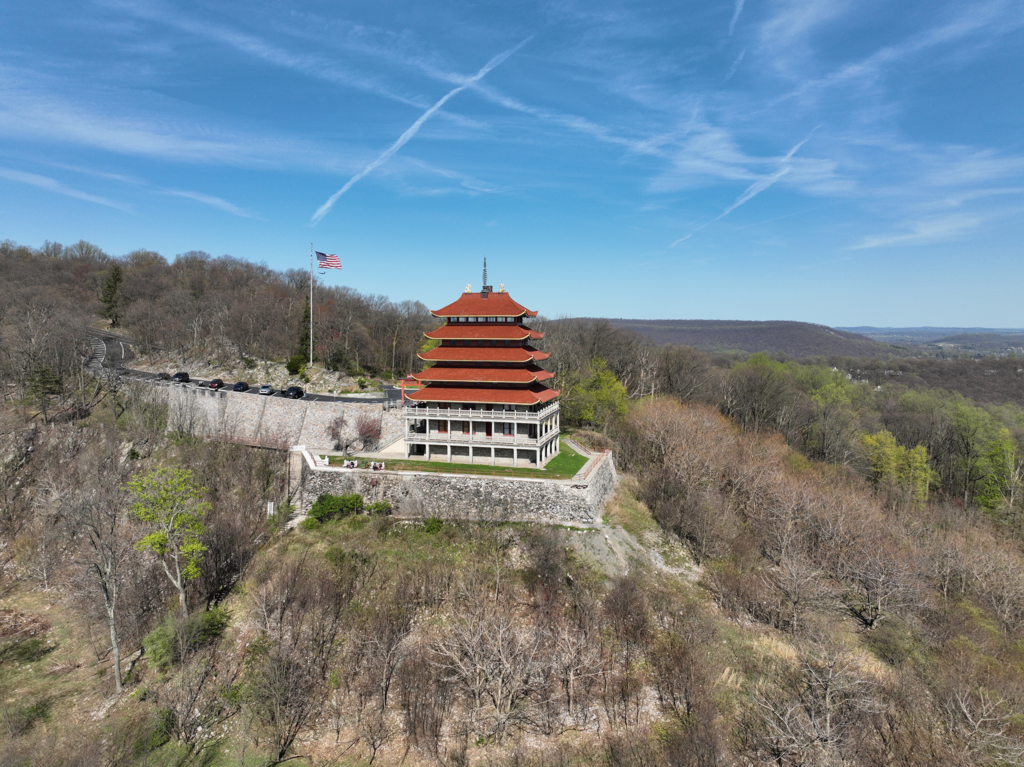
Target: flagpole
[[311, 304]]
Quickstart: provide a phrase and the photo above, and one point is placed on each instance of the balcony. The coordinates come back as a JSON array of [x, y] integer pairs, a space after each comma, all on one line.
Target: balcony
[[499, 440], [452, 414]]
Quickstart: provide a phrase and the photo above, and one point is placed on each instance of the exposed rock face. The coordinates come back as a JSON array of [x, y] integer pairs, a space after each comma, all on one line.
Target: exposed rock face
[[452, 496]]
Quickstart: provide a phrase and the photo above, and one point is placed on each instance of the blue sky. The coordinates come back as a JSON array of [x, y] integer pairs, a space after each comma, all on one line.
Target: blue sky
[[843, 162]]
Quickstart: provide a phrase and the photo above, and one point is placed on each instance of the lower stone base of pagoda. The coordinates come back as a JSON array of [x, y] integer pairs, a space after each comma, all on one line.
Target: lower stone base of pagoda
[[519, 457]]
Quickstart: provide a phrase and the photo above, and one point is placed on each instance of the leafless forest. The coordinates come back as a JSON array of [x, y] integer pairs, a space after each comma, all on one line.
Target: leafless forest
[[812, 570]]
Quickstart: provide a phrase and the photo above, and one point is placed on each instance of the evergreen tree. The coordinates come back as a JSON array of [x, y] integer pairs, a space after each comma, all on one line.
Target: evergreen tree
[[303, 348], [42, 384], [110, 295]]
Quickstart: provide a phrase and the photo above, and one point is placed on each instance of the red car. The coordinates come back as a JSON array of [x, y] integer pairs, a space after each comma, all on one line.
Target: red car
[[216, 383]]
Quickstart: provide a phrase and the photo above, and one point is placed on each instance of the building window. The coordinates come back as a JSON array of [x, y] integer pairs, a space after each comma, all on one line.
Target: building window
[[442, 427], [507, 429], [465, 427]]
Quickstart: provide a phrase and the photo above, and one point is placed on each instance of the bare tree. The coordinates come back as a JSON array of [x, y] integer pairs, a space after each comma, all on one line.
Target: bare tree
[[490, 654], [92, 506]]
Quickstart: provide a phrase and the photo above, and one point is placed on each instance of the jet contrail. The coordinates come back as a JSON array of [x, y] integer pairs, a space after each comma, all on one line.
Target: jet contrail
[[388, 153], [753, 190]]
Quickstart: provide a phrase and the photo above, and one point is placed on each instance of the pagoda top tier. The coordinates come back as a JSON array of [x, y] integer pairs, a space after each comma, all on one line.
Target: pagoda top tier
[[486, 303]]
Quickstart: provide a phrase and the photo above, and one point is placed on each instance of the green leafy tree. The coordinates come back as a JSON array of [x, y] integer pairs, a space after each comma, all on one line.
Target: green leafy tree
[[607, 395], [110, 296], [899, 470], [831, 431], [594, 396], [170, 501], [970, 432], [1003, 485]]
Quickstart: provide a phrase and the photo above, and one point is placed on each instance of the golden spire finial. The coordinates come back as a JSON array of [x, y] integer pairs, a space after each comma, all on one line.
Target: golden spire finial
[[501, 287], [468, 288]]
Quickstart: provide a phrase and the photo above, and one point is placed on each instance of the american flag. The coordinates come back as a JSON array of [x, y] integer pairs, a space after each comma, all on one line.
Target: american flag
[[325, 261]]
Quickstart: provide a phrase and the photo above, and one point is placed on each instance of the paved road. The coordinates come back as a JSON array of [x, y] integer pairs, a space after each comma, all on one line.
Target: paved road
[[113, 352], [110, 350]]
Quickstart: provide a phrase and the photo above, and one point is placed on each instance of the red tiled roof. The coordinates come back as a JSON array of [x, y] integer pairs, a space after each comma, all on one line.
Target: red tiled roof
[[484, 354], [484, 332], [474, 305], [531, 396], [485, 375]]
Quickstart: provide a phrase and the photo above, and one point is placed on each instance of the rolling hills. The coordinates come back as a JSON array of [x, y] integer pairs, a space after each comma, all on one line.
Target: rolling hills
[[796, 339]]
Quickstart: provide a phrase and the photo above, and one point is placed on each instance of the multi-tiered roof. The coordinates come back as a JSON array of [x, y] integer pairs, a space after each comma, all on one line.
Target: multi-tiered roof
[[484, 354]]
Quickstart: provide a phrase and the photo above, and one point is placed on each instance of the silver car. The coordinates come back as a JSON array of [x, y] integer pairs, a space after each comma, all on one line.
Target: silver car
[[266, 389]]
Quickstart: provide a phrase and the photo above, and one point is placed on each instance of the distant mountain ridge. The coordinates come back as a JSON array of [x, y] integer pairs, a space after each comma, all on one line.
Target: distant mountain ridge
[[927, 335], [795, 339]]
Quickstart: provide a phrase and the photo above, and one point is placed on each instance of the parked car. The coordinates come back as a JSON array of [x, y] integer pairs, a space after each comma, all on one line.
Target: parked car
[[294, 392], [163, 376], [215, 384], [240, 386], [181, 378], [266, 389]]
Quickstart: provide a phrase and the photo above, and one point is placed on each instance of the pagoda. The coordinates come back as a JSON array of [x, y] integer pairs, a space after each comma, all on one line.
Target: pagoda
[[484, 398]]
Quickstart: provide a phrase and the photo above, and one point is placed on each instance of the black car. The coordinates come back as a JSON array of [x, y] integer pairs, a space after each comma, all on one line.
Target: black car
[[240, 386], [163, 376], [294, 392], [180, 378]]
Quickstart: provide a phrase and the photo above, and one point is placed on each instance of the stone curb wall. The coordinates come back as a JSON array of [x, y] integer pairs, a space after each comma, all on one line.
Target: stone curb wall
[[459, 496], [270, 421]]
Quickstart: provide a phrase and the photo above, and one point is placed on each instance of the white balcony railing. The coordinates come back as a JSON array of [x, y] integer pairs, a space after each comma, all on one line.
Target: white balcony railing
[[453, 414], [477, 439]]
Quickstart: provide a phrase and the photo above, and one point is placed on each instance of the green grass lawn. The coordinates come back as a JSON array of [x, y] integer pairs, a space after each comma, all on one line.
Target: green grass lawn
[[562, 466]]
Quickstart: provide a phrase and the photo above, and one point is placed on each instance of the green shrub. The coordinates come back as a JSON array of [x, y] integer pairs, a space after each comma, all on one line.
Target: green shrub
[[433, 526], [309, 523], [380, 508], [295, 364], [176, 637], [281, 514], [893, 642], [26, 650], [20, 719], [249, 363], [328, 507]]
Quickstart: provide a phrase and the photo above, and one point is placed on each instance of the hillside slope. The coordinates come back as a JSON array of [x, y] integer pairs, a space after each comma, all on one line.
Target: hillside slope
[[797, 339]]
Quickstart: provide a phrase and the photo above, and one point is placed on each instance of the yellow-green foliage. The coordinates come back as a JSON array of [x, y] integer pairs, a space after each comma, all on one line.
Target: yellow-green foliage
[[895, 466]]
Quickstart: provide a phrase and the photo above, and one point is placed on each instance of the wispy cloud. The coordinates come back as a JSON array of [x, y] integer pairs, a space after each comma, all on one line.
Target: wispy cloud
[[309, 64], [213, 202], [39, 109], [753, 190], [466, 183], [996, 17], [736, 15], [52, 185], [411, 131], [924, 232], [735, 65]]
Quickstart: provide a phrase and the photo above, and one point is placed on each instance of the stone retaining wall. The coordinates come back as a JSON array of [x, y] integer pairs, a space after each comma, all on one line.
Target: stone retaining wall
[[454, 496], [272, 421]]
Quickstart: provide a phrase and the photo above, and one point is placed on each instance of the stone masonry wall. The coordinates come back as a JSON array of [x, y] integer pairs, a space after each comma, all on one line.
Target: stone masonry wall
[[467, 497], [271, 421]]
